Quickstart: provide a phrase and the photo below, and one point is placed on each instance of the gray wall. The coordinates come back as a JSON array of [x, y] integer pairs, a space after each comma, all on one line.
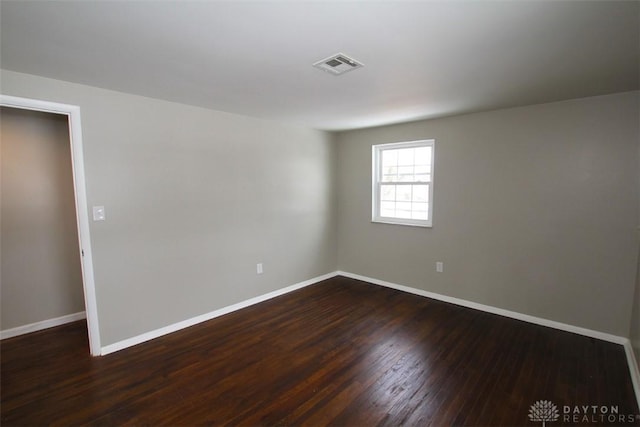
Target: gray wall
[[635, 318], [635, 314], [535, 210], [194, 199], [535, 207], [41, 277]]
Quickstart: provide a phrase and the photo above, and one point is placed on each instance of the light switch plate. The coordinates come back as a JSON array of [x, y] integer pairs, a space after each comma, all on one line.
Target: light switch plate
[[98, 213]]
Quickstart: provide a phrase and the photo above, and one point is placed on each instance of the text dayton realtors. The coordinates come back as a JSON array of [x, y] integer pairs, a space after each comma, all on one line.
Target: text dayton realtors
[[595, 414]]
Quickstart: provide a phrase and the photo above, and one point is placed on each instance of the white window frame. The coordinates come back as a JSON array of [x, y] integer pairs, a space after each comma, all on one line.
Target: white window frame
[[377, 182]]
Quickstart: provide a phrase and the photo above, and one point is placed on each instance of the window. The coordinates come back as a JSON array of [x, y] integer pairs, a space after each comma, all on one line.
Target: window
[[403, 183]]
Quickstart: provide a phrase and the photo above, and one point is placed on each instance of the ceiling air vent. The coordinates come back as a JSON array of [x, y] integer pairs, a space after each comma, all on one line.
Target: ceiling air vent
[[338, 64]]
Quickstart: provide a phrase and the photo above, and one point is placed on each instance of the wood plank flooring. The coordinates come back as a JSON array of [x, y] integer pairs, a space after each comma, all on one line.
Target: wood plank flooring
[[341, 352]]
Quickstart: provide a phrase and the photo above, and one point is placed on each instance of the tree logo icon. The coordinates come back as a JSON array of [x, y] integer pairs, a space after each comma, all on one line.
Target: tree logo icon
[[543, 410]]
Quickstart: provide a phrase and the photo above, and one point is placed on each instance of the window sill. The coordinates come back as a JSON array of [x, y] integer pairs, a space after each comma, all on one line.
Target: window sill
[[400, 222]]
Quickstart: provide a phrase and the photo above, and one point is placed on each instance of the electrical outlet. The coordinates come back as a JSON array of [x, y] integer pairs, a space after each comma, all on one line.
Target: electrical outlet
[[439, 266], [259, 268], [99, 213]]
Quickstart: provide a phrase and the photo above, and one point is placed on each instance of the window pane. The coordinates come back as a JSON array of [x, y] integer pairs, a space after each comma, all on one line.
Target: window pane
[[405, 173], [389, 173], [423, 169], [387, 192], [391, 170], [403, 214], [419, 207], [403, 193], [423, 178], [404, 206], [419, 215], [388, 206], [423, 156], [389, 158], [405, 170], [405, 156], [420, 193]]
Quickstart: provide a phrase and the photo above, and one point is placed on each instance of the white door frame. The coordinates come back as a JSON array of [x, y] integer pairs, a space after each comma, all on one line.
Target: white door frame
[[82, 212]]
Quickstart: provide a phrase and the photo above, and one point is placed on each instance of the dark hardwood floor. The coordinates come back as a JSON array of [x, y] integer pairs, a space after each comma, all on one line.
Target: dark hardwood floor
[[341, 352]]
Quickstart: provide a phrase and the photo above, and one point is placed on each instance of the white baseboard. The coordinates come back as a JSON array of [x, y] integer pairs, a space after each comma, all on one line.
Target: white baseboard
[[44, 324], [625, 342], [129, 342], [494, 310], [634, 369]]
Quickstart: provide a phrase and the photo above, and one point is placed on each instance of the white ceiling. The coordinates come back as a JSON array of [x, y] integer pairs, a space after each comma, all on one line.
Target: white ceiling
[[422, 59]]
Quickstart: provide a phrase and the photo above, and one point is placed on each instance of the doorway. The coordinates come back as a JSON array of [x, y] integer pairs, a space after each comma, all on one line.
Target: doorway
[[69, 116]]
